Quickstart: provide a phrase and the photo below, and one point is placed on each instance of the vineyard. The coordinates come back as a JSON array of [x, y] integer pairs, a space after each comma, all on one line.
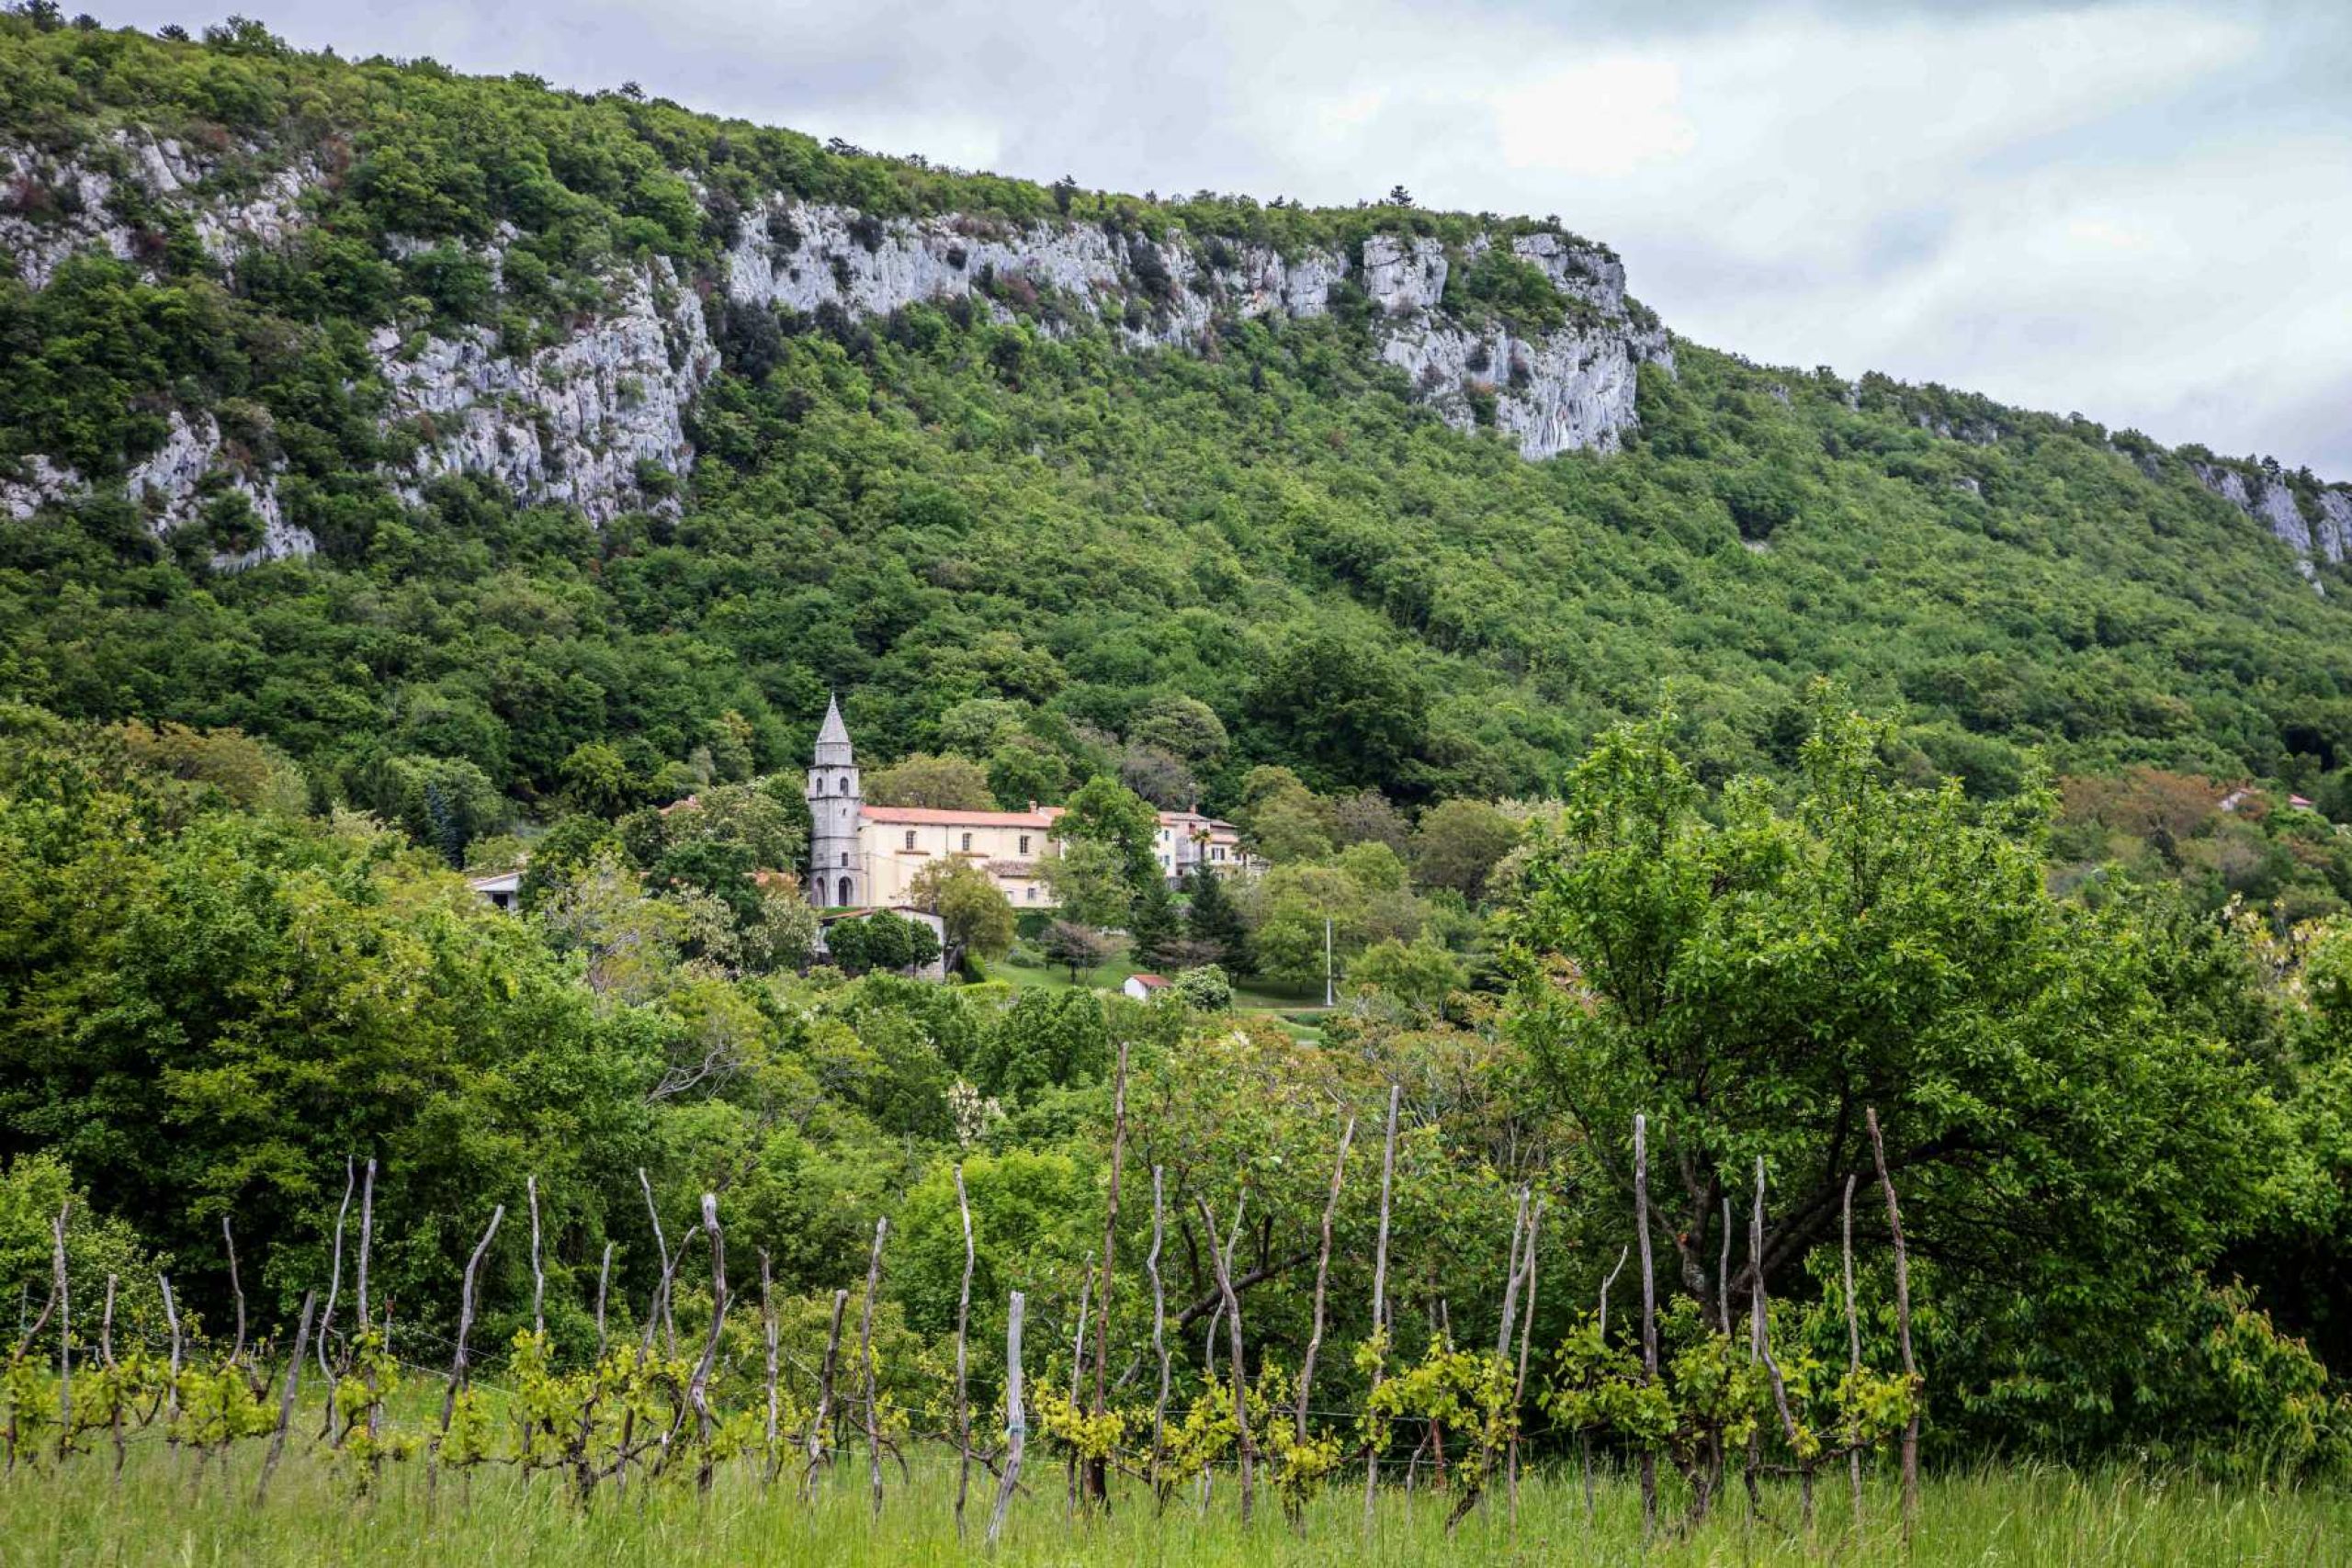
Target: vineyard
[[721, 1397]]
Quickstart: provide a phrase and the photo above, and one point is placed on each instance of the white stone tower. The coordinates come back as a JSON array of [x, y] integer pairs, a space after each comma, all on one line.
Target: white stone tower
[[836, 869]]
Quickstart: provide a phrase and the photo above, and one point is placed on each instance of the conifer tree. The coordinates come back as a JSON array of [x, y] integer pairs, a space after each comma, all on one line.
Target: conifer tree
[[1214, 921]]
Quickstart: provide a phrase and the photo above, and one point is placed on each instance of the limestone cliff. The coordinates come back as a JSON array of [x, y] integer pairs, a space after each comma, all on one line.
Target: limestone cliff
[[2313, 519], [597, 418]]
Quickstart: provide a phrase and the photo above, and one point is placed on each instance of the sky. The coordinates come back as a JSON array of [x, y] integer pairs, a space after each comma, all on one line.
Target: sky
[[2138, 210]]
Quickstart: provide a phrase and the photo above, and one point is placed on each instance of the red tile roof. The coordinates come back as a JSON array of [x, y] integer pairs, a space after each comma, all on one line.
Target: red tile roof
[[923, 816]]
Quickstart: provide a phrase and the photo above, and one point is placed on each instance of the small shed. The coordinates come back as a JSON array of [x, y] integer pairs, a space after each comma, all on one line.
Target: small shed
[[1143, 988], [504, 890]]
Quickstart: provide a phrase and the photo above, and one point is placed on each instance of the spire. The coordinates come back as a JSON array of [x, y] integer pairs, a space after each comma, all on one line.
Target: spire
[[833, 738]]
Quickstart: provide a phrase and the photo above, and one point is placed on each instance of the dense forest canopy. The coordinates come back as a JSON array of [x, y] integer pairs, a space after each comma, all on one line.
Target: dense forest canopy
[[1565, 765]]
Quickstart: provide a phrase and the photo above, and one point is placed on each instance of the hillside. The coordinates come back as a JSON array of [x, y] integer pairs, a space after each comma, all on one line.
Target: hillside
[[418, 421], [410, 476]]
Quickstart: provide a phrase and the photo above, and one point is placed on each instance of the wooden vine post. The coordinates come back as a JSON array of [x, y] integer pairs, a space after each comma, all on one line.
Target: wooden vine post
[[774, 1454], [1220, 1256], [64, 1288], [458, 1363], [538, 1274], [865, 1360], [1016, 1420], [1158, 1333], [1649, 1309], [661, 1312], [1380, 1291], [698, 1391], [1584, 1437], [1526, 1333], [963, 1330], [334, 1282], [1322, 1277], [236, 1288], [286, 1400], [1098, 1468], [1763, 1332], [604, 1284], [1901, 1326], [1853, 1350], [816, 1444]]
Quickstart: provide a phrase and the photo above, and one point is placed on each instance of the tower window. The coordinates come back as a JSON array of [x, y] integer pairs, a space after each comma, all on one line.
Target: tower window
[[844, 857]]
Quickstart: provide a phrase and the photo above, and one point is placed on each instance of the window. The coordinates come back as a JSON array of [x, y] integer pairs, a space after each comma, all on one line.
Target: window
[[911, 838], [844, 859], [1031, 892], [1216, 851], [1025, 849], [968, 844]]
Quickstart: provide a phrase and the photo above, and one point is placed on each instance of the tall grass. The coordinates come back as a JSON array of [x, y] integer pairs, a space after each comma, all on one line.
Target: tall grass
[[160, 1513]]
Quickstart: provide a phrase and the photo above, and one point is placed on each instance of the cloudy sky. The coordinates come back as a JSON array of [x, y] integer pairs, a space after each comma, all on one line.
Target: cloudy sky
[[2141, 210]]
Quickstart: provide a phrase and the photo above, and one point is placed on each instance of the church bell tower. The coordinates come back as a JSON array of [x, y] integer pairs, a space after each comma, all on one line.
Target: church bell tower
[[836, 868]]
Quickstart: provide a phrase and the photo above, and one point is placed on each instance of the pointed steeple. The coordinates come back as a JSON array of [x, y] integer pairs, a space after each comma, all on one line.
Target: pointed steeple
[[833, 738]]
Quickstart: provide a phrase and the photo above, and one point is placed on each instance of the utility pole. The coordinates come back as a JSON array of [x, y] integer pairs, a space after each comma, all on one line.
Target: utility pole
[[1327, 961]]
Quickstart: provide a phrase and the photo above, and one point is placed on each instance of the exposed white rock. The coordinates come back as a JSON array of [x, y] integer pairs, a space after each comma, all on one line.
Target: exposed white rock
[[580, 422], [2271, 502], [171, 487], [570, 422], [79, 198], [1574, 388], [1403, 276]]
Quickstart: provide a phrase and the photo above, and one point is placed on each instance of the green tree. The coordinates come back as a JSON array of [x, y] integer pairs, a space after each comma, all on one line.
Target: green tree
[[1104, 812], [1754, 982], [1211, 923], [1458, 843], [1088, 883], [939, 782], [597, 779], [1075, 946], [976, 913], [1420, 976], [1153, 924]]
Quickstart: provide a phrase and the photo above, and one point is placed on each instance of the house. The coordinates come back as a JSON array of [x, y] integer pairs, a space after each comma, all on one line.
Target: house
[[862, 855], [505, 890], [1143, 988]]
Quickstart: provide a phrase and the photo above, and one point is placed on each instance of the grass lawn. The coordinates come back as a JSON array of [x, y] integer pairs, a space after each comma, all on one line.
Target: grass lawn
[[1257, 996], [165, 1510]]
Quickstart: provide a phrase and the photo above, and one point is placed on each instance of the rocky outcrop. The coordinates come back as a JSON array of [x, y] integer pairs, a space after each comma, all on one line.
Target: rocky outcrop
[[1571, 387], [60, 208], [2317, 529], [580, 422], [598, 418], [172, 486]]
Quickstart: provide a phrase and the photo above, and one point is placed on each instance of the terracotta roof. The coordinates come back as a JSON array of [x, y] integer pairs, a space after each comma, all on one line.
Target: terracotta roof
[[923, 816], [1149, 982]]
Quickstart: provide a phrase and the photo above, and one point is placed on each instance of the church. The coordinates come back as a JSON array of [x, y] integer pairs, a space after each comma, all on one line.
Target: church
[[862, 856]]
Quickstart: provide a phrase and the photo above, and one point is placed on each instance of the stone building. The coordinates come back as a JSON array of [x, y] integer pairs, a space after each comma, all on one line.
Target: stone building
[[862, 856]]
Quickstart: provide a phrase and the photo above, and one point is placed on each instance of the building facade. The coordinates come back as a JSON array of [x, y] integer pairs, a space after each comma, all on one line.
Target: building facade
[[862, 856]]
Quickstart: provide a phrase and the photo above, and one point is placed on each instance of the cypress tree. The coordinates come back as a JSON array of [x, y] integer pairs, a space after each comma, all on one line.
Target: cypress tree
[[1213, 920]]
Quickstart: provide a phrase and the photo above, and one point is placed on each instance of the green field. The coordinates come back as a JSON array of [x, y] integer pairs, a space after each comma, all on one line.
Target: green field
[[160, 1513]]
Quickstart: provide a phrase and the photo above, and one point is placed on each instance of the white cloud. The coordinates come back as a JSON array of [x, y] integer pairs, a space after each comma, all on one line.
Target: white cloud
[[2134, 209]]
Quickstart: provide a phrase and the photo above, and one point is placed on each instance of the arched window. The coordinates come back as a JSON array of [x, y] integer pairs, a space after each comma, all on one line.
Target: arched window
[[845, 891]]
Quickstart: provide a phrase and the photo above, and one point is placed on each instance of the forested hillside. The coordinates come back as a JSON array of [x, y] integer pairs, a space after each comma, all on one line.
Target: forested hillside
[[406, 472], [1014, 497]]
